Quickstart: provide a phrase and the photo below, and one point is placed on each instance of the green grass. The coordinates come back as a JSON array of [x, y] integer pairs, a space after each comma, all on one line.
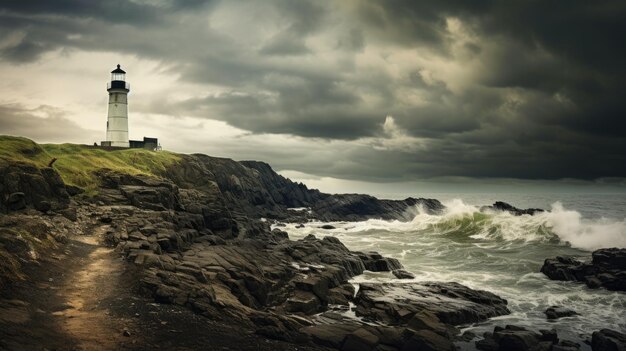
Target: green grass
[[18, 149], [77, 164]]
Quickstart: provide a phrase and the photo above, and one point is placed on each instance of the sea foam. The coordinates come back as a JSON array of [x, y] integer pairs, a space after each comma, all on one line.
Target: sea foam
[[462, 219]]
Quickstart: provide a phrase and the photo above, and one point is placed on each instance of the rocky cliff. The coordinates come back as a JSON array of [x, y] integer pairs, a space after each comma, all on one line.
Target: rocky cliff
[[193, 228]]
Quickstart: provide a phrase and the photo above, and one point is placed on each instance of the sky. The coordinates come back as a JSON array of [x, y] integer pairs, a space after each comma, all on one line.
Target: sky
[[349, 95]]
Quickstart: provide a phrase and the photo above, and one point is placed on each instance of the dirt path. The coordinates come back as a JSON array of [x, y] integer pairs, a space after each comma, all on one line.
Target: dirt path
[[96, 280], [68, 305]]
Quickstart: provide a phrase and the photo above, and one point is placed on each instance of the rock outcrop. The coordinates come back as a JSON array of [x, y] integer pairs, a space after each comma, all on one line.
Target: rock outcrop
[[503, 206], [26, 186], [357, 207], [514, 338], [556, 312], [253, 189], [607, 269], [440, 303], [608, 340], [199, 251]]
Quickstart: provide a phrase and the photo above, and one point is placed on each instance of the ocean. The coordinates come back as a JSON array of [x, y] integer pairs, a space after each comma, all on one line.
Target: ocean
[[502, 253]]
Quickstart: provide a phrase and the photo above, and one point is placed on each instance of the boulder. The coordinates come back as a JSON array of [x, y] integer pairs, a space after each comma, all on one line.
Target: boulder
[[451, 303], [26, 186], [612, 258], [607, 269], [329, 335], [555, 312], [357, 207], [16, 201], [43, 206], [303, 302], [426, 340], [505, 207], [515, 338], [73, 190], [376, 263], [608, 340], [318, 285], [402, 274], [566, 345], [360, 340]]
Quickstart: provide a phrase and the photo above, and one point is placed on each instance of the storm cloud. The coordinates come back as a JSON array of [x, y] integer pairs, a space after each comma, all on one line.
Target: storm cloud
[[362, 89]]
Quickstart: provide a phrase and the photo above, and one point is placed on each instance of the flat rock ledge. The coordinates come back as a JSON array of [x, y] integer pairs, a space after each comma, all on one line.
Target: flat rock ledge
[[505, 207], [405, 316], [515, 338], [447, 303], [607, 269]]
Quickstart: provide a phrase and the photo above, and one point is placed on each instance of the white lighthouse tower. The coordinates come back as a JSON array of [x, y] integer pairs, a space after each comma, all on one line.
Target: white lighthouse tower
[[117, 121]]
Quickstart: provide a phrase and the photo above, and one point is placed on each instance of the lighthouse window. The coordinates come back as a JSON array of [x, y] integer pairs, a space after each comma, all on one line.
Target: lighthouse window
[[117, 76]]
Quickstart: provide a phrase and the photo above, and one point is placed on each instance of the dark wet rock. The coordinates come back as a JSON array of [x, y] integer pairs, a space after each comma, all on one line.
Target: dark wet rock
[[340, 295], [612, 258], [566, 345], [303, 302], [330, 335], [359, 340], [503, 206], [143, 191], [280, 234], [467, 336], [43, 206], [15, 201], [607, 269], [318, 285], [357, 207], [156, 198], [403, 274], [450, 303], [377, 263], [251, 189], [555, 312], [328, 227], [426, 340], [26, 186], [608, 340], [514, 338], [69, 213], [73, 190], [352, 336]]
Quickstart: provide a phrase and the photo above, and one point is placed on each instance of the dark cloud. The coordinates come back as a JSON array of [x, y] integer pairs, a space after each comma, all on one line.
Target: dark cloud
[[526, 89]]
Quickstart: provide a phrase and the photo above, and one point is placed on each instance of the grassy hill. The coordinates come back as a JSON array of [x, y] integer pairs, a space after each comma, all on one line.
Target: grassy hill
[[77, 163]]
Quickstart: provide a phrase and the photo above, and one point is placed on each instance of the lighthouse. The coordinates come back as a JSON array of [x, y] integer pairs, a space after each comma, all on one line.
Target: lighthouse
[[117, 120]]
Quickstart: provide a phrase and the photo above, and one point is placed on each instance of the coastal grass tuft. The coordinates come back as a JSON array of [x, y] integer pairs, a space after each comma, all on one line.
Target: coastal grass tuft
[[18, 149], [77, 164]]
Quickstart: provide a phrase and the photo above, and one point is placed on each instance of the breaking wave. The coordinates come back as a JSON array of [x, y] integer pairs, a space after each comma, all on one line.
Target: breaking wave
[[464, 221]]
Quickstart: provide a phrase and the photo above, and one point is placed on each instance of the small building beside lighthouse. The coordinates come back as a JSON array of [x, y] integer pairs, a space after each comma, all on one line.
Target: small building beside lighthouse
[[117, 117]]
